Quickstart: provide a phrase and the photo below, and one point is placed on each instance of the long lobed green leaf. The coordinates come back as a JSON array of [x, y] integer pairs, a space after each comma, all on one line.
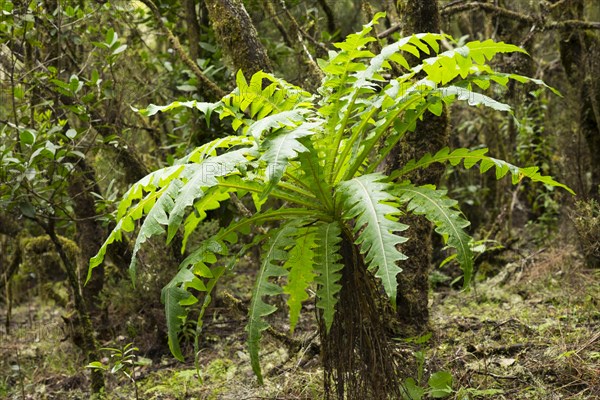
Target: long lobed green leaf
[[441, 210], [274, 252], [367, 200], [470, 158], [328, 266], [301, 272]]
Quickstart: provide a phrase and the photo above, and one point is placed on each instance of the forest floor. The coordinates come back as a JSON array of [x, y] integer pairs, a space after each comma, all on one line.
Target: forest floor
[[532, 331]]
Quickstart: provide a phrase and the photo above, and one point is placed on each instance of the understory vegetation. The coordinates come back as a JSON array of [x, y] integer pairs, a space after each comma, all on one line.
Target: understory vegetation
[[528, 333]]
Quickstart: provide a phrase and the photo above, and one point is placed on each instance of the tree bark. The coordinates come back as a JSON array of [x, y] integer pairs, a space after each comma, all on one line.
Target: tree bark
[[358, 362], [430, 135], [89, 231], [193, 29], [89, 344], [237, 36], [7, 275], [580, 55]]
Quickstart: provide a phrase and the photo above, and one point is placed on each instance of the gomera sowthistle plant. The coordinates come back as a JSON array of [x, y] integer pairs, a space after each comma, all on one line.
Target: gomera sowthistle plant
[[337, 217]]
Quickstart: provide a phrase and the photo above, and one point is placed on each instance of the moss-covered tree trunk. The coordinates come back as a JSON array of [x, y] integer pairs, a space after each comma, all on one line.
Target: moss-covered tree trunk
[[580, 57], [429, 136], [237, 36], [12, 233], [89, 344]]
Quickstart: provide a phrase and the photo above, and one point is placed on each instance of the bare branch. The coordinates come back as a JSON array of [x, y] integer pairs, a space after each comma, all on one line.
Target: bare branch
[[389, 31], [455, 8], [449, 10]]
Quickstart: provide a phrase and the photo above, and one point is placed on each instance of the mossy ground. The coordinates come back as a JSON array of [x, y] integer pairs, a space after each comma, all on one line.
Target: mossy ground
[[530, 332]]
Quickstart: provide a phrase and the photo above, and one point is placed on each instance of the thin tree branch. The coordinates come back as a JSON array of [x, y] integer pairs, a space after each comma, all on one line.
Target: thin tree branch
[[389, 31], [331, 26], [302, 32], [277, 21], [574, 24], [490, 8], [315, 73], [454, 8]]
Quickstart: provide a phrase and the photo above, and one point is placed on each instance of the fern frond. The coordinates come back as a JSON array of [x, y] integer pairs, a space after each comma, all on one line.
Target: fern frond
[[205, 108], [339, 69], [472, 98], [201, 276], [449, 221], [402, 96], [311, 173], [283, 119], [230, 233], [256, 186], [149, 184], [183, 184], [209, 149], [469, 158], [410, 100], [175, 294], [251, 100], [126, 223], [484, 75], [391, 52], [328, 266], [274, 252], [164, 176], [367, 200]]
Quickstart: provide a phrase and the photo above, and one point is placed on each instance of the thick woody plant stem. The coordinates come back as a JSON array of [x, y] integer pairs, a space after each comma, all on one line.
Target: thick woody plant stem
[[357, 356]]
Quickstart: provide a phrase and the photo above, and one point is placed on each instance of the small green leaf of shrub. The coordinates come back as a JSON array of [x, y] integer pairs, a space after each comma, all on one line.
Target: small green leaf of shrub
[[440, 384]]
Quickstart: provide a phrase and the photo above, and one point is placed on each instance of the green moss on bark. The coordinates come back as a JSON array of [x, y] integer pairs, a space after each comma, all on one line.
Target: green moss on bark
[[237, 36]]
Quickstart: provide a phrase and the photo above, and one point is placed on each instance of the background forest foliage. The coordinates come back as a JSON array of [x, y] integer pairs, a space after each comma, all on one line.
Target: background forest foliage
[[73, 76]]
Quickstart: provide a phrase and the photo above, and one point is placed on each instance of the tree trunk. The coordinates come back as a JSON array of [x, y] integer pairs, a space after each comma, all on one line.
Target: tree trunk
[[84, 323], [580, 55], [429, 136], [7, 275], [237, 36], [89, 231], [193, 29]]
